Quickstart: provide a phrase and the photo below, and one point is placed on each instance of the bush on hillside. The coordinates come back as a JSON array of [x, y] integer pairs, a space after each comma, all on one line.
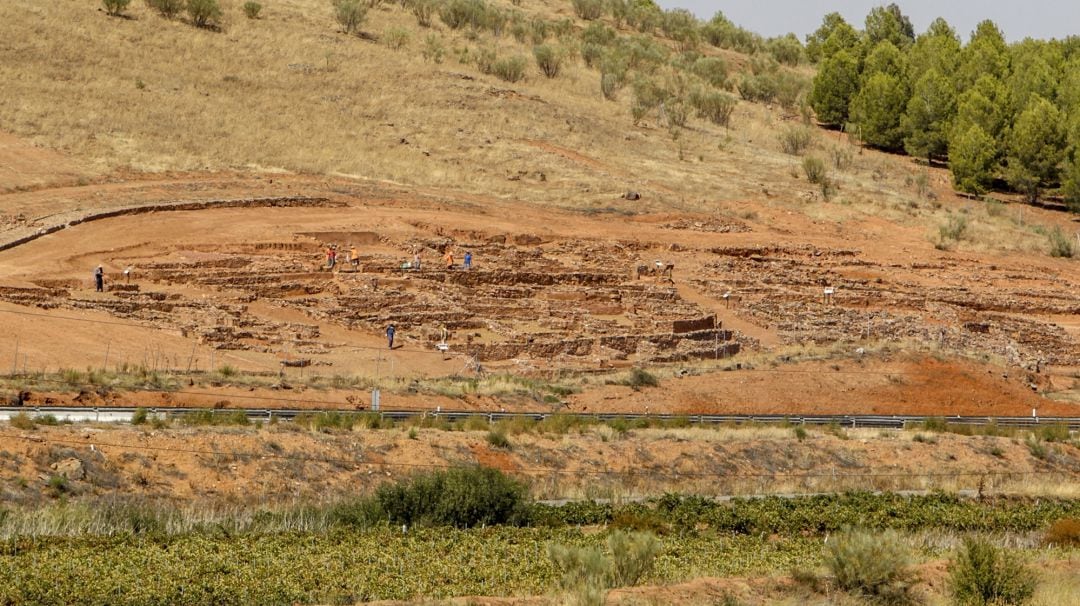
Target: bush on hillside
[[548, 59], [350, 14], [984, 575], [589, 9], [423, 10], [871, 564], [252, 9], [459, 14], [795, 139], [1061, 245], [586, 573], [115, 7], [714, 106], [815, 170], [205, 13], [166, 8], [712, 70], [462, 497], [510, 69]]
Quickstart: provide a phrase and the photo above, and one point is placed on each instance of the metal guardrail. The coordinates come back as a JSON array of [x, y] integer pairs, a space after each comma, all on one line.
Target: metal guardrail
[[122, 414]]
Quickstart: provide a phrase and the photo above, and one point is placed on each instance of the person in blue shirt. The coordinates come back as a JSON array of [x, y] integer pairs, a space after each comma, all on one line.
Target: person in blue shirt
[[390, 335], [468, 260]]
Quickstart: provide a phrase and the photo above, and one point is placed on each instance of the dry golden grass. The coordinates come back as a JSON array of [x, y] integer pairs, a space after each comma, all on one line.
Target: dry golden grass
[[289, 91]]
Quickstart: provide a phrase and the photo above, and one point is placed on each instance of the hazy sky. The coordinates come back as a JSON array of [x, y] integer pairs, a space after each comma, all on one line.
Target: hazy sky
[[1017, 18]]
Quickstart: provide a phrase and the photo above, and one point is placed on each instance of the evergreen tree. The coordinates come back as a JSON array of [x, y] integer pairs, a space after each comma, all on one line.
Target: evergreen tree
[[888, 23], [877, 108], [816, 40], [843, 38], [929, 115], [1036, 147], [986, 53], [972, 157], [938, 48], [983, 104], [884, 59], [834, 86], [1035, 71]]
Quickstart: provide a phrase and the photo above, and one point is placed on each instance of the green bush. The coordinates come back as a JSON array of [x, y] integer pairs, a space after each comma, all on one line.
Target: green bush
[[714, 106], [22, 420], [350, 14], [548, 59], [952, 230], [115, 7], [795, 139], [205, 13], [871, 564], [434, 50], [396, 38], [639, 377], [462, 497], [589, 9], [984, 575], [252, 9], [610, 85], [586, 574], [815, 169], [498, 439], [140, 416], [423, 10], [1061, 245], [166, 8], [459, 14], [510, 69], [713, 70]]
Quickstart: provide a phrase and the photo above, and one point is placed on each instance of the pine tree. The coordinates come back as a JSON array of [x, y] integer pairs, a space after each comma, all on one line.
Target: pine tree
[[986, 53], [1036, 147], [938, 48], [834, 86], [816, 40], [929, 115], [884, 59], [877, 109], [888, 23], [972, 157]]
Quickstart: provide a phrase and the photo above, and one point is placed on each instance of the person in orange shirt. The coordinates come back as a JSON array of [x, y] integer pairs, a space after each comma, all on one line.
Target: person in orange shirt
[[449, 258]]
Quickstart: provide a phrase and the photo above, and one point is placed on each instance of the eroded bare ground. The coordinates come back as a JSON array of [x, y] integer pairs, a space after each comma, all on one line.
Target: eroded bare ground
[[243, 282]]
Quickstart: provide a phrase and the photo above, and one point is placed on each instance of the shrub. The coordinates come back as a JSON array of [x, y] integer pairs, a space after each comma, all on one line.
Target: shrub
[[712, 70], [434, 50], [548, 59], [458, 14], [953, 230], [586, 573], [498, 439], [676, 113], [639, 377], [139, 417], [204, 13], [166, 8], [610, 85], [982, 575], [423, 10], [1064, 533], [1061, 245], [252, 9], [485, 60], [795, 139], [714, 106], [510, 69], [115, 7], [815, 170], [591, 54], [589, 9], [598, 34], [350, 14], [874, 565], [461, 497], [22, 420], [396, 38], [227, 370]]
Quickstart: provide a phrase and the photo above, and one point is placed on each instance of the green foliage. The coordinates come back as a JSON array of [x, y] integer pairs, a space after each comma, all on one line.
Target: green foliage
[[589, 9], [22, 420], [929, 116], [815, 41], [585, 573], [714, 106], [167, 8], [722, 33], [639, 377], [460, 14], [834, 86], [1036, 147], [785, 49], [888, 23], [548, 59], [815, 169], [510, 69], [877, 109], [434, 49], [983, 575], [140, 417], [713, 70], [462, 497], [610, 85], [972, 158], [115, 7], [252, 9], [985, 54], [871, 564], [795, 139], [938, 48], [350, 14], [952, 231], [1061, 245], [205, 13], [498, 439], [213, 418]]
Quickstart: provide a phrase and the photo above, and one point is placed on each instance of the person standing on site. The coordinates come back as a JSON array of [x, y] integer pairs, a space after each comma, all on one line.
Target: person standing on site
[[99, 278], [449, 258], [468, 260], [416, 260], [390, 330], [354, 258]]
